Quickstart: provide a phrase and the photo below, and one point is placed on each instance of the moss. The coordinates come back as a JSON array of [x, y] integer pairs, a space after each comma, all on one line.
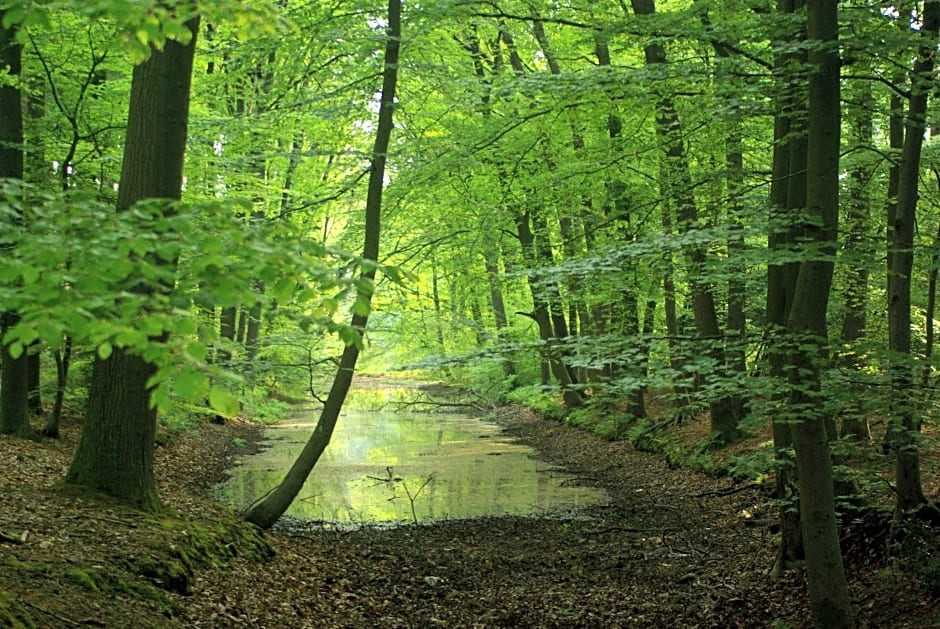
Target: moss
[[166, 573], [13, 614], [184, 546], [82, 578]]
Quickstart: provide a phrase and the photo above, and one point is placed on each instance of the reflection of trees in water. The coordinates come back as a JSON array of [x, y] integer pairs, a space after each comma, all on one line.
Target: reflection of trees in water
[[376, 460]]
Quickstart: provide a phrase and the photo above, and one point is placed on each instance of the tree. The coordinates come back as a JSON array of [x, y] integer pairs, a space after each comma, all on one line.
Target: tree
[[115, 453], [14, 370], [807, 324], [727, 409], [905, 423], [266, 512]]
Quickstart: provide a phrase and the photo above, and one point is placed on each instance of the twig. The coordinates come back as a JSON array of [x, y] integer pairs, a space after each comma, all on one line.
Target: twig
[[727, 491], [63, 619], [414, 497], [14, 539]]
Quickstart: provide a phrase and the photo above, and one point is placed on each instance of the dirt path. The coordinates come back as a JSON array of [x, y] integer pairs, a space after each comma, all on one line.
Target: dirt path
[[671, 550]]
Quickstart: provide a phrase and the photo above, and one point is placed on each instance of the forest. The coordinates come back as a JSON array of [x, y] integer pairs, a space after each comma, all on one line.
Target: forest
[[687, 249]]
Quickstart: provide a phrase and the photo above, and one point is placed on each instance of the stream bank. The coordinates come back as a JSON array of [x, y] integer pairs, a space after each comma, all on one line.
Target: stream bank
[[672, 548]]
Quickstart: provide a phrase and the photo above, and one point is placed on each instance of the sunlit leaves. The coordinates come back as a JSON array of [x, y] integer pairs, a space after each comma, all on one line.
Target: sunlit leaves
[[136, 280]]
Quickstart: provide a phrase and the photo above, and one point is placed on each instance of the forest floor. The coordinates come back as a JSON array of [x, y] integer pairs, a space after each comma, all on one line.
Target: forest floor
[[673, 548]]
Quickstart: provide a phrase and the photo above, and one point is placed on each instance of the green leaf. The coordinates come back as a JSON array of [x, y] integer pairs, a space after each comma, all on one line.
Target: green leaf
[[350, 336], [362, 306], [284, 289], [13, 16], [15, 349], [197, 351], [104, 350], [191, 385], [187, 326], [223, 402]]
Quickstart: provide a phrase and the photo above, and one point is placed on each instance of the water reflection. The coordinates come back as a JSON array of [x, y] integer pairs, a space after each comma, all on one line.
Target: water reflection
[[391, 467]]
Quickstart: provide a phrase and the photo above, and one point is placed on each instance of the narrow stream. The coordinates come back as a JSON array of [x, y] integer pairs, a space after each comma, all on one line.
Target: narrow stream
[[395, 467]]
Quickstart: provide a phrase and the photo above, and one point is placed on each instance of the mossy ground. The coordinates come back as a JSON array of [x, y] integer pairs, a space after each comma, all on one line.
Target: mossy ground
[[88, 560]]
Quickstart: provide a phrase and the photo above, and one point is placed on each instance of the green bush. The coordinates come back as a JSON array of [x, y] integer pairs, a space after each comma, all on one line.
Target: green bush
[[538, 399]]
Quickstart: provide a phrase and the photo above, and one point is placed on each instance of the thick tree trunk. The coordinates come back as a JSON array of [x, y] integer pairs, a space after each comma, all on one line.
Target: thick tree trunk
[[825, 573], [14, 371], [270, 509], [115, 453]]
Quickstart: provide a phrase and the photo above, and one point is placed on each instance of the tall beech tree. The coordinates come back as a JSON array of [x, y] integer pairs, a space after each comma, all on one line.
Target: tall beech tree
[[905, 422], [115, 453], [807, 323], [266, 512], [727, 409], [14, 369]]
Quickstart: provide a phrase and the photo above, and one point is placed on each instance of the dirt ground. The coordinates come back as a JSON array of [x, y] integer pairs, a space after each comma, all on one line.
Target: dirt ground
[[673, 548]]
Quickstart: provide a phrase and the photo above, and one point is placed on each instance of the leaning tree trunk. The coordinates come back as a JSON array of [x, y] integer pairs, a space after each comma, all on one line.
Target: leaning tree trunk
[[115, 453], [266, 512], [14, 369], [828, 589]]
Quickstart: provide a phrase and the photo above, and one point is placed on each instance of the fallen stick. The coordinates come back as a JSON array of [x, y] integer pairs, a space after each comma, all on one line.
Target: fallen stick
[[14, 539]]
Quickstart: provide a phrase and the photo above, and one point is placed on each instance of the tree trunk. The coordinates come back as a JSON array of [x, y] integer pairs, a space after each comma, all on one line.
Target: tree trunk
[[905, 422], [497, 303], [789, 175], [270, 509], [858, 251], [14, 370], [63, 360], [542, 312], [115, 453], [828, 589], [727, 409]]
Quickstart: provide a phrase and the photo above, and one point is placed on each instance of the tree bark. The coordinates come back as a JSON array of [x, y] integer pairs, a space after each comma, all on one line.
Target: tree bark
[[905, 422], [828, 589], [14, 371], [266, 512], [115, 452], [727, 409], [788, 176]]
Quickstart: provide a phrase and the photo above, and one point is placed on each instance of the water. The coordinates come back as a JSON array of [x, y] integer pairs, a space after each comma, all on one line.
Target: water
[[393, 467]]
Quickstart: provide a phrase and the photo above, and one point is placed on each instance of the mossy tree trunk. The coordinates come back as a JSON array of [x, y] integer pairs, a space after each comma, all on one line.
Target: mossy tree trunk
[[115, 453]]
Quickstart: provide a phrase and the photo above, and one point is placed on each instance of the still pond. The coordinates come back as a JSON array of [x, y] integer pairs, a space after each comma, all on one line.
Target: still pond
[[395, 467]]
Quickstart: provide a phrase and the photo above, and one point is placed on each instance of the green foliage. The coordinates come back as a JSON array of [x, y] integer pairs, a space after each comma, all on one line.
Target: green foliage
[[602, 419], [540, 400], [755, 465], [258, 404], [137, 280]]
